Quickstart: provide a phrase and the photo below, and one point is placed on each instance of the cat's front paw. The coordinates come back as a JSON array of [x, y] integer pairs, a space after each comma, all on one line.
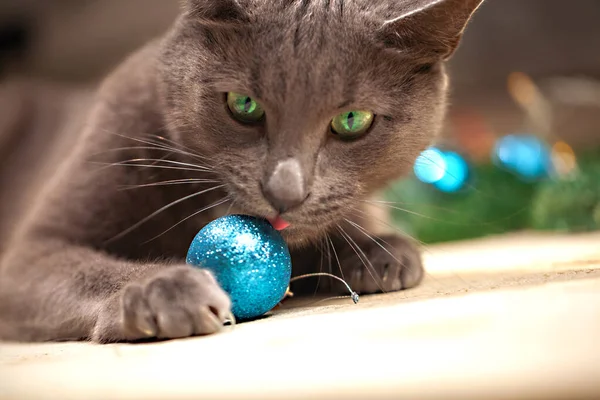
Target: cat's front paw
[[176, 302], [393, 264]]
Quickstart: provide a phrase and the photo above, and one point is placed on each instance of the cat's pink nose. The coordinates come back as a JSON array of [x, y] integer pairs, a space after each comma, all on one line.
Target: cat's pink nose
[[285, 188]]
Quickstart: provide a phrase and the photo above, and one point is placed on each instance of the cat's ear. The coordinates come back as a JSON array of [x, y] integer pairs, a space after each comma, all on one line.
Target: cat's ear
[[428, 28], [216, 12]]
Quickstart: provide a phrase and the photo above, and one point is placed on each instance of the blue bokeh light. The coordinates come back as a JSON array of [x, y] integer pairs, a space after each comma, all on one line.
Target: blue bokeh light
[[455, 175], [526, 155], [447, 171], [430, 166]]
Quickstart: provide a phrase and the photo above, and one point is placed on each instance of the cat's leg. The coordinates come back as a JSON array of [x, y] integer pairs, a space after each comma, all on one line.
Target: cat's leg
[[379, 264], [375, 256], [385, 264], [367, 252], [52, 290]]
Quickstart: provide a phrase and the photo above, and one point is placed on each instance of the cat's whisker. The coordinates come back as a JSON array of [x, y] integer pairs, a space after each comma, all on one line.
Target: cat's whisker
[[216, 204], [120, 164], [116, 149], [174, 144], [336, 255], [157, 145], [401, 203], [325, 246], [404, 210], [169, 183], [157, 212], [181, 151], [364, 232], [455, 223], [152, 148], [135, 139], [364, 259], [369, 217], [230, 207], [162, 160], [163, 141], [321, 251], [329, 258]]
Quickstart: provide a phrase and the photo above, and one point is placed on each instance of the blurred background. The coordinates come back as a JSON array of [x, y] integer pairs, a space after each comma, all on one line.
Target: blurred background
[[520, 150]]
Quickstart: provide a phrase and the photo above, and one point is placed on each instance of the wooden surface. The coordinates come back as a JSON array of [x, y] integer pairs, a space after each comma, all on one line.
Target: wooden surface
[[500, 318]]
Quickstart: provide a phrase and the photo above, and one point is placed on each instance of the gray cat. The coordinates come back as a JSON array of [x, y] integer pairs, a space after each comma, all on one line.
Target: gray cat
[[293, 110]]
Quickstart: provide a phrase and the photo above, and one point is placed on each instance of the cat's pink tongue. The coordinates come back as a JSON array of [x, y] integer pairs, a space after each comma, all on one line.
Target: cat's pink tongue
[[278, 223]]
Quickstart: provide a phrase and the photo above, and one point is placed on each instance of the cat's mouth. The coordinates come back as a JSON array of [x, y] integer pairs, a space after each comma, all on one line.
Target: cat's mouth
[[295, 233], [278, 223]]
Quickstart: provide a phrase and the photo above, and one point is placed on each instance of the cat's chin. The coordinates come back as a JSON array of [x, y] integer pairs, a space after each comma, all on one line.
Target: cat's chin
[[297, 236]]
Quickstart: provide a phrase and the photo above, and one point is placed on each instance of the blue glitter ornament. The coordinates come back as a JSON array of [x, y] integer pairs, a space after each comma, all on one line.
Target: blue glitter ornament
[[249, 259]]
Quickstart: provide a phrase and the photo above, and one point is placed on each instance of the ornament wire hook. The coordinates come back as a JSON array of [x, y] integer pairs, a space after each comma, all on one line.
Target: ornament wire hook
[[353, 295]]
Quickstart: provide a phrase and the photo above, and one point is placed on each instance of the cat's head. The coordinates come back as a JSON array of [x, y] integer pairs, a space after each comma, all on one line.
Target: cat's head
[[306, 106]]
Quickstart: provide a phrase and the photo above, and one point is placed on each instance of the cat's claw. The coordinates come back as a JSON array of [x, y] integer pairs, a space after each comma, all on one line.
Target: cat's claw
[[176, 302]]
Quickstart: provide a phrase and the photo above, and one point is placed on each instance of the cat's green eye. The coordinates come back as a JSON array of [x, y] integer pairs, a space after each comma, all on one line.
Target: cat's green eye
[[352, 124], [244, 108]]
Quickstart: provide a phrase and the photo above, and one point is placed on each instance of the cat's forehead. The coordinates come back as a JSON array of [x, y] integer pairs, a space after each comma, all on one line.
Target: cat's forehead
[[307, 59], [335, 25], [313, 29], [379, 9]]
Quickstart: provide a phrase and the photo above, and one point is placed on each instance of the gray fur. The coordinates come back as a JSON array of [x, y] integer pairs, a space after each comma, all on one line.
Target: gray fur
[[76, 270]]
